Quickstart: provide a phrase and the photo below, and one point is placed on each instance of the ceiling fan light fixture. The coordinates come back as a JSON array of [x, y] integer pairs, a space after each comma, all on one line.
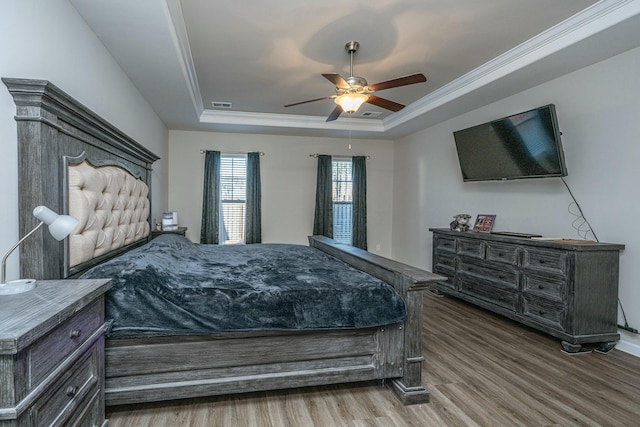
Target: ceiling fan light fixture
[[350, 102]]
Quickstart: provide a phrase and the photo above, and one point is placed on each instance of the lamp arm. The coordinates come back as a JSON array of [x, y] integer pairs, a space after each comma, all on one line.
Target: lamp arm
[[4, 259]]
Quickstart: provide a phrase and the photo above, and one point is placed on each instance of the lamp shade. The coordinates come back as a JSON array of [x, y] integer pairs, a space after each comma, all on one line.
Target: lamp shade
[[60, 226], [350, 102]]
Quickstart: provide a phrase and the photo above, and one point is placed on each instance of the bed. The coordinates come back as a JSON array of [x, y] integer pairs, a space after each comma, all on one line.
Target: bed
[[74, 149]]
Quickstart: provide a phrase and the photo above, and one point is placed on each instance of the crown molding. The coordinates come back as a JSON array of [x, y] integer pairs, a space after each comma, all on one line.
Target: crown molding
[[289, 121], [178, 30], [592, 20]]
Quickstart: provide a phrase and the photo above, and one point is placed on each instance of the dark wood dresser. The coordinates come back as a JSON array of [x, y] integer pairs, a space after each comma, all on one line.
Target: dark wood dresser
[[52, 354], [568, 289]]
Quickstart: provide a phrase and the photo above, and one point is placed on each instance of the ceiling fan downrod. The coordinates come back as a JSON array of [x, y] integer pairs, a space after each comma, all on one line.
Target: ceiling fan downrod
[[351, 47], [357, 84]]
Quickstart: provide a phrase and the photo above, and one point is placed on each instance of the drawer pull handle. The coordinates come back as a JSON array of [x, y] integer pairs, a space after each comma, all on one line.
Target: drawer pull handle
[[75, 333], [541, 261], [540, 287], [541, 312], [72, 390]]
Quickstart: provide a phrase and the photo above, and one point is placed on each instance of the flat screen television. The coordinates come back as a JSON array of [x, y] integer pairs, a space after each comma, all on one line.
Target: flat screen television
[[524, 145]]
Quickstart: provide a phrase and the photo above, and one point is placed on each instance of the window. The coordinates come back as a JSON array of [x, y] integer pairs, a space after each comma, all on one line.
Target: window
[[342, 177], [233, 198]]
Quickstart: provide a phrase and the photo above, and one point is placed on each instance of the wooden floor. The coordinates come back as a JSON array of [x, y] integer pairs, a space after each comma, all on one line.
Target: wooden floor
[[481, 370]]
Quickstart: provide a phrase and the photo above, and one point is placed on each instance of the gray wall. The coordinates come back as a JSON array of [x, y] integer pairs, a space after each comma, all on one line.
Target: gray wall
[[288, 181]]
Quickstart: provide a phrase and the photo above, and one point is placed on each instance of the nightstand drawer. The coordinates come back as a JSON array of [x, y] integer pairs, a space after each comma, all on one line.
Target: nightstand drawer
[[65, 397], [48, 352]]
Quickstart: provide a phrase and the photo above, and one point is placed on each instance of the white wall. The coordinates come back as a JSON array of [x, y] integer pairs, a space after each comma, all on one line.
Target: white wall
[[599, 114], [44, 39], [288, 178]]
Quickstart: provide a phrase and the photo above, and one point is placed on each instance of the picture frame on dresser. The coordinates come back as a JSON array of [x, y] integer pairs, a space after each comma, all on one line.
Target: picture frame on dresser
[[484, 223]]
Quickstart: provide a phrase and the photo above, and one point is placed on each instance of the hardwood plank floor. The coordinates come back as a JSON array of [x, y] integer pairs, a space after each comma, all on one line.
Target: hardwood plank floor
[[481, 370]]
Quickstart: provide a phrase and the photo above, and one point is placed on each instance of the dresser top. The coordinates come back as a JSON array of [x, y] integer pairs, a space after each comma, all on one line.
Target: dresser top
[[28, 316], [566, 244]]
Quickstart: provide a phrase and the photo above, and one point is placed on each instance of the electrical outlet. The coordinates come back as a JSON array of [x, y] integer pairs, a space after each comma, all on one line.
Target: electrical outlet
[[377, 248]]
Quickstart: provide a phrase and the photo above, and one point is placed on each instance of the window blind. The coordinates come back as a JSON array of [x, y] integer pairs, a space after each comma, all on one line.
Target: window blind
[[342, 172], [233, 194]]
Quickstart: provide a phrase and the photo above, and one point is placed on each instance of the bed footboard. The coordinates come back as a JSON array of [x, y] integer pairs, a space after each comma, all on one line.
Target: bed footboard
[[156, 369], [410, 282]]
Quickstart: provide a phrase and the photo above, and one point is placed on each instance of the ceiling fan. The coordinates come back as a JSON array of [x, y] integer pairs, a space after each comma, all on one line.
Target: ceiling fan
[[353, 91]]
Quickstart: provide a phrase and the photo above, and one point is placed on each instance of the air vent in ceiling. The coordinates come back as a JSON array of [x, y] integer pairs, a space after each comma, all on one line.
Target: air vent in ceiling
[[221, 104], [371, 114]]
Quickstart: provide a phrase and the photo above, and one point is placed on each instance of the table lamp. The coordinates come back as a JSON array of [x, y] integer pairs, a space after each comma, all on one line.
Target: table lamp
[[60, 226]]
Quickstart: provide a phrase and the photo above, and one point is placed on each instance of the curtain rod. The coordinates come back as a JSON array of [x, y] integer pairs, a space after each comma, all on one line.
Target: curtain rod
[[334, 155], [202, 151]]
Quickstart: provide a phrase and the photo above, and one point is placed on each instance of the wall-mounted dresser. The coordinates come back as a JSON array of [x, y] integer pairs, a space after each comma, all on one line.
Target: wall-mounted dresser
[[52, 355], [565, 288]]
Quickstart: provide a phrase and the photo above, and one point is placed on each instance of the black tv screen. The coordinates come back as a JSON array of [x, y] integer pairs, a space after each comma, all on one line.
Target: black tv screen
[[524, 145]]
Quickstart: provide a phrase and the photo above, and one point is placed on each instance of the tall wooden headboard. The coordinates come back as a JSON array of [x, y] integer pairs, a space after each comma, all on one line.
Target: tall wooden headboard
[[54, 131]]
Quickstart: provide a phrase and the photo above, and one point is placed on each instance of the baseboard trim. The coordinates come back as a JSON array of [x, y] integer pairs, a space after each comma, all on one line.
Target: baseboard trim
[[629, 347]]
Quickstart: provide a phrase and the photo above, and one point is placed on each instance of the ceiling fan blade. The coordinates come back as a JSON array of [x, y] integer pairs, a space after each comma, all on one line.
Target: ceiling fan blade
[[309, 100], [400, 81], [334, 114], [337, 80], [384, 103]]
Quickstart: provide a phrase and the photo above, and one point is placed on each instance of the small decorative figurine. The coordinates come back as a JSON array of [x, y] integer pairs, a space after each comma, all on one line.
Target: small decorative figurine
[[460, 222]]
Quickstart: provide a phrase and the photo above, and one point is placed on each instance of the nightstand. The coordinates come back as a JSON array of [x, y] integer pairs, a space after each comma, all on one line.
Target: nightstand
[[52, 354], [180, 230]]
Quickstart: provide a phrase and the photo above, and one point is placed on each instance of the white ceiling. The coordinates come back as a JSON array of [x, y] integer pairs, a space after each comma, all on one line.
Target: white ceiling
[[262, 54]]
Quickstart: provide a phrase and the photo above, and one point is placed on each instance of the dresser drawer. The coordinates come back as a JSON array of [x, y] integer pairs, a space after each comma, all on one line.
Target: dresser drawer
[[549, 261], [545, 287], [506, 278], [489, 292], [70, 393], [445, 263], [444, 243], [543, 311], [471, 248], [507, 254], [48, 352]]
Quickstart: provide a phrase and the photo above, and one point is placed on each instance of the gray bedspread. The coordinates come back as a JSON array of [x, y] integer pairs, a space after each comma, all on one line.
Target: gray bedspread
[[172, 286]]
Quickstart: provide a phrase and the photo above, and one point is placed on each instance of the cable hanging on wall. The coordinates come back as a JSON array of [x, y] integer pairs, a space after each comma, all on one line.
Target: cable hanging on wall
[[582, 226], [581, 221]]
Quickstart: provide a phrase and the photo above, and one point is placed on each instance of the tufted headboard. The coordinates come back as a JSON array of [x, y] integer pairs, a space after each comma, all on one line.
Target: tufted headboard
[[112, 207], [76, 163]]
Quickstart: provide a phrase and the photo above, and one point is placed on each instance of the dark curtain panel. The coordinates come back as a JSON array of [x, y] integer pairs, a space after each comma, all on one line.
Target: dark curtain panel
[[210, 198], [323, 218], [253, 216], [359, 216]]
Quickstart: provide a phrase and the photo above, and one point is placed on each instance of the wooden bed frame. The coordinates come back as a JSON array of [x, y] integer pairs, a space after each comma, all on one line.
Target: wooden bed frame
[[54, 129]]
